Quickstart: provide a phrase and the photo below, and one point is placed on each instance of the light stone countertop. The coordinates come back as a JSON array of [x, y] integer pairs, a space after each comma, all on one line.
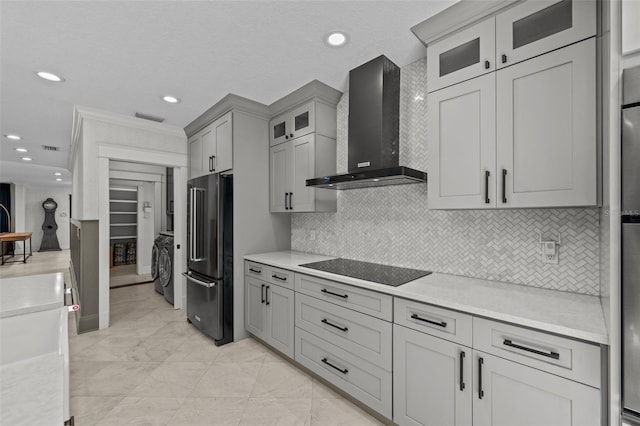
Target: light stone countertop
[[32, 293], [32, 391], [568, 314]]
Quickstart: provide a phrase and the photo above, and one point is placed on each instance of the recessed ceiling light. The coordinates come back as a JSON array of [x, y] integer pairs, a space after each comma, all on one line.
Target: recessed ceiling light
[[171, 99], [336, 39], [21, 150], [13, 137], [59, 180], [26, 158], [50, 76], [57, 174]]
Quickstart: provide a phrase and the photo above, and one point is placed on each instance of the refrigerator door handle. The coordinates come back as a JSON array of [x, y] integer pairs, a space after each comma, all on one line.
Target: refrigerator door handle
[[192, 243], [199, 282]]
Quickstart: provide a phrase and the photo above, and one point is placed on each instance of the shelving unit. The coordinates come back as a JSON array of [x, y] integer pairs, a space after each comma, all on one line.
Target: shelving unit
[[123, 205]]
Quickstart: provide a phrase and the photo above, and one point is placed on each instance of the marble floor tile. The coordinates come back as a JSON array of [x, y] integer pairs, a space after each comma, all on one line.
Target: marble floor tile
[[247, 350], [134, 410], [115, 379], [338, 411], [282, 380], [89, 410], [209, 411], [228, 380], [321, 391], [172, 379], [277, 411]]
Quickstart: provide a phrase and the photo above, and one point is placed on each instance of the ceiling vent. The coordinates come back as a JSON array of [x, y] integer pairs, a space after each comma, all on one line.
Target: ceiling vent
[[50, 148], [149, 117]]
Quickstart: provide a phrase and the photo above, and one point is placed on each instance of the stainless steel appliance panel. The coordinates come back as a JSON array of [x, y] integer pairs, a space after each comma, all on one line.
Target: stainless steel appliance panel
[[631, 316], [631, 160], [203, 242]]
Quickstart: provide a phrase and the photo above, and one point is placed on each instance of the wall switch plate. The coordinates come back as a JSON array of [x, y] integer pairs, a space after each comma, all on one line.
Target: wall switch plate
[[549, 252]]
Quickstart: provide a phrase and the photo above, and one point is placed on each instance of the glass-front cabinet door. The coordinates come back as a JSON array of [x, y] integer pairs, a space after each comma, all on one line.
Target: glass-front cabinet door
[[302, 120], [536, 27], [464, 55], [278, 128]]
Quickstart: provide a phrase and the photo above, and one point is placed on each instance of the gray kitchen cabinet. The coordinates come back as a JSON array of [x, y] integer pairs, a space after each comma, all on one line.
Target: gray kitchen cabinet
[[535, 148], [295, 161], [462, 157], [462, 56], [508, 393], [311, 117], [546, 131], [211, 149], [535, 27], [432, 380], [269, 314]]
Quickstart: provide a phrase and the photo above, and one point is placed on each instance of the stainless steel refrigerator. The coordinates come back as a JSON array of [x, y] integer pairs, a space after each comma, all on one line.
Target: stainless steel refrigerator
[[631, 244], [210, 256]]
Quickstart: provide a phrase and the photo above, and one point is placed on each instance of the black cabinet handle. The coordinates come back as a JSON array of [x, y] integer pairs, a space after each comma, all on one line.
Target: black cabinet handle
[[257, 271], [480, 391], [504, 186], [210, 165], [487, 65], [504, 58], [291, 200], [325, 321], [213, 158], [278, 277], [262, 293], [344, 296], [487, 173], [462, 385], [419, 318], [549, 354], [286, 201], [342, 370], [286, 136], [267, 294], [291, 135]]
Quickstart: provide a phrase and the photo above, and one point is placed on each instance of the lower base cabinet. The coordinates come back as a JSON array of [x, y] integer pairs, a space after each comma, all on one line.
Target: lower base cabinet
[[432, 380], [508, 393], [269, 314]]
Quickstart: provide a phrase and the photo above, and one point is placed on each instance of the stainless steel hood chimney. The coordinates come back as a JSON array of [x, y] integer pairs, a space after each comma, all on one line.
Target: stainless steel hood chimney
[[374, 122]]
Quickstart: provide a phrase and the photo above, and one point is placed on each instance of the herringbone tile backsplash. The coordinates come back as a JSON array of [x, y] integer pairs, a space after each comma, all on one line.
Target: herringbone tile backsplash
[[392, 225]]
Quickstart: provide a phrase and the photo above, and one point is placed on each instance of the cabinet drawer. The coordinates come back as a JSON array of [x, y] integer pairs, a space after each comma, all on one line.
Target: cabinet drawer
[[450, 325], [281, 277], [362, 380], [535, 27], [360, 334], [257, 270], [558, 355], [461, 56], [361, 300]]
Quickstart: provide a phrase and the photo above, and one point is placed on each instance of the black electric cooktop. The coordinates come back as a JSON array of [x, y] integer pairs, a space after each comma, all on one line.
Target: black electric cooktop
[[381, 274]]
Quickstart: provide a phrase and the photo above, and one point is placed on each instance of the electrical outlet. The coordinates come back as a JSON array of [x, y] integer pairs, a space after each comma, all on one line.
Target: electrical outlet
[[312, 235], [549, 252]]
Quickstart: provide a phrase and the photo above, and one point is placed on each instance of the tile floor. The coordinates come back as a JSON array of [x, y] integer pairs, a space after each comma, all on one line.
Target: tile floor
[[151, 367]]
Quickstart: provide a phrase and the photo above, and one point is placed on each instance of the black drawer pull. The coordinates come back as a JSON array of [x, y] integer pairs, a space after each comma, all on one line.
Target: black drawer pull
[[257, 271], [480, 391], [325, 321], [267, 294], [262, 293], [504, 58], [462, 385], [487, 65], [553, 355], [278, 277], [419, 318], [344, 296], [343, 371]]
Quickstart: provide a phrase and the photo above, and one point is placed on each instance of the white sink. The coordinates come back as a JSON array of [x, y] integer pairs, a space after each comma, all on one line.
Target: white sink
[[27, 342]]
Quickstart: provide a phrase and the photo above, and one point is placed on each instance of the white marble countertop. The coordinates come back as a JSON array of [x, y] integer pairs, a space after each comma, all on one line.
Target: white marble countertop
[[32, 391], [32, 293], [568, 314]]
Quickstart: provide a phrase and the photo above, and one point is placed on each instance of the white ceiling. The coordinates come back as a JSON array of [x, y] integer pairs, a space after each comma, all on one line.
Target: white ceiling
[[122, 56]]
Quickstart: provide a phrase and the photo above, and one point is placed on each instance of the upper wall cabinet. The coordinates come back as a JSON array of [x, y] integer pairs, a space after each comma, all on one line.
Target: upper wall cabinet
[[462, 56], [536, 27], [211, 149], [313, 116]]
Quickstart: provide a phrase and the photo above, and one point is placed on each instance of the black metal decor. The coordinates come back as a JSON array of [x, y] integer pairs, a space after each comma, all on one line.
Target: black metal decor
[[49, 227]]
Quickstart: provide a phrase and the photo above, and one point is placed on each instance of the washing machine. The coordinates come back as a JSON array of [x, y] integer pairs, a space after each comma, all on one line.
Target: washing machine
[[165, 265], [155, 254]]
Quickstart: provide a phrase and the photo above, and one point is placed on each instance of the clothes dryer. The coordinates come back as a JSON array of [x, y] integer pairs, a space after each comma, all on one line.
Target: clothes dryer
[[165, 265]]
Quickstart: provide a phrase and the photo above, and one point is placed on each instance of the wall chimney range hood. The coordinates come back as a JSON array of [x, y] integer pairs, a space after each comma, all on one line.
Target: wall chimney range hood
[[374, 123]]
